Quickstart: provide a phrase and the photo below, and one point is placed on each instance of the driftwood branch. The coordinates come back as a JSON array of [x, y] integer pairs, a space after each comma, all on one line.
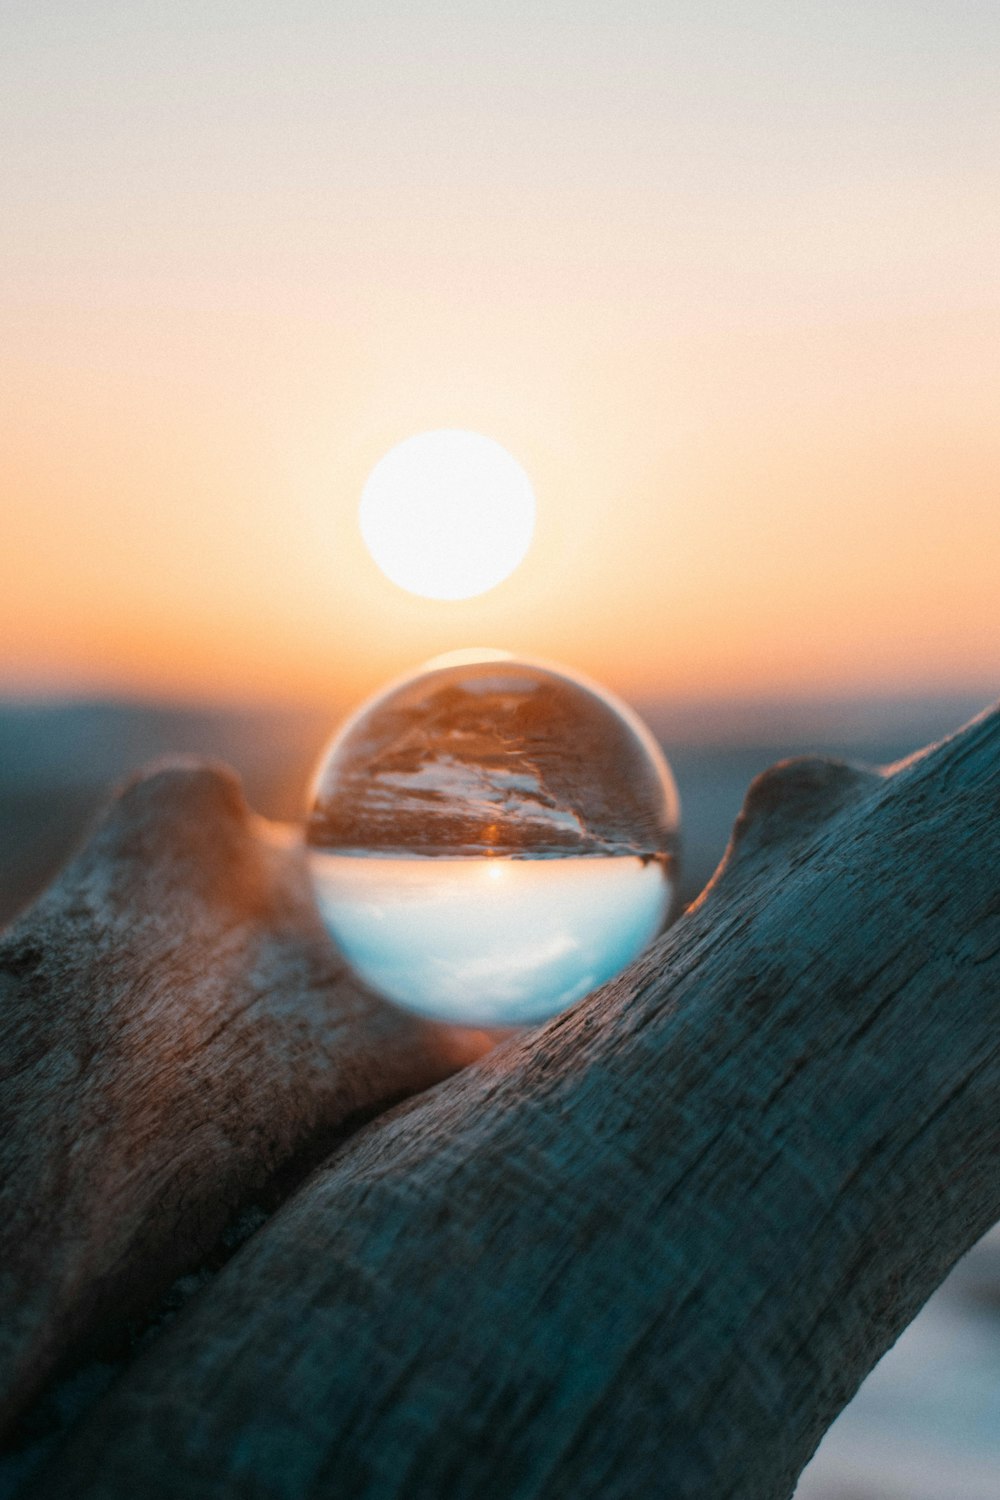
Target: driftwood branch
[[650, 1248], [174, 1030]]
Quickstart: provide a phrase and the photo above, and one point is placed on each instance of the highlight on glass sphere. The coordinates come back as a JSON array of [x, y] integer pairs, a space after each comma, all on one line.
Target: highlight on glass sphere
[[491, 839]]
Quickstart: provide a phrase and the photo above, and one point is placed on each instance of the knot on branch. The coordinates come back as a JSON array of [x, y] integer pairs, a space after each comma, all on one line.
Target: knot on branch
[[185, 785], [179, 834], [796, 797], [180, 804]]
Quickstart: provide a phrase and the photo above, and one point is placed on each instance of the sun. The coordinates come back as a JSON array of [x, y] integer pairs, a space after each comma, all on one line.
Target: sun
[[447, 514]]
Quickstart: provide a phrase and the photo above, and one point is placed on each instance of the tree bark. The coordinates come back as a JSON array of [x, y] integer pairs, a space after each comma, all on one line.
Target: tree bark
[[174, 1029], [652, 1247]]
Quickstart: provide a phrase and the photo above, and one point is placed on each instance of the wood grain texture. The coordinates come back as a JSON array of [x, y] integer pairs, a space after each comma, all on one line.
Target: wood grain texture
[[174, 1027], [653, 1247]]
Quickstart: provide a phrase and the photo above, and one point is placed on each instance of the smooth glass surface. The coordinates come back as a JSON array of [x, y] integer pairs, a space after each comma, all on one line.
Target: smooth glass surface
[[490, 839], [489, 941]]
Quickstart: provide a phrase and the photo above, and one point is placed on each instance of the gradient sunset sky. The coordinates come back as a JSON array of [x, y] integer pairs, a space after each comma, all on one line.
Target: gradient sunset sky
[[725, 278]]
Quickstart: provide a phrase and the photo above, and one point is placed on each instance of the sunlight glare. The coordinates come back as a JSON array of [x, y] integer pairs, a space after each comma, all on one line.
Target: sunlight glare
[[447, 514]]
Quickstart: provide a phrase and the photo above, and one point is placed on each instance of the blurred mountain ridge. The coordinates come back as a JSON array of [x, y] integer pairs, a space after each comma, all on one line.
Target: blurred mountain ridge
[[61, 758]]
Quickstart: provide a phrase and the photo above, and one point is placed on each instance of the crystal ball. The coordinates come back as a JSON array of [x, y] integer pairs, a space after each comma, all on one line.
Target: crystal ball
[[490, 839]]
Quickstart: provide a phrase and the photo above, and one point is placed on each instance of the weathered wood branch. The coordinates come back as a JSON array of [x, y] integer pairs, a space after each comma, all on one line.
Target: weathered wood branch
[[174, 1027], [652, 1247]]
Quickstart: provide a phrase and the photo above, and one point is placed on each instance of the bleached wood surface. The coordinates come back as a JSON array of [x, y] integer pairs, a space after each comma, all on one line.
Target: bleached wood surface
[[652, 1247]]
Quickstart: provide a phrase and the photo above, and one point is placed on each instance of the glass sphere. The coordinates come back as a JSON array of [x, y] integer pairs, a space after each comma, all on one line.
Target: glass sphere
[[490, 839]]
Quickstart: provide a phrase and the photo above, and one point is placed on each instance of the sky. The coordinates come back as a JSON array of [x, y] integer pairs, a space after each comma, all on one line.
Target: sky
[[723, 277]]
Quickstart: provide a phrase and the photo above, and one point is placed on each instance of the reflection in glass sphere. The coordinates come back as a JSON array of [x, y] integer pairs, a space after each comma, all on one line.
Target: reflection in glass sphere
[[491, 839]]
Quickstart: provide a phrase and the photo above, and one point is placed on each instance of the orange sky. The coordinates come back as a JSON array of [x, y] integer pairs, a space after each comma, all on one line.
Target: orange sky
[[724, 281]]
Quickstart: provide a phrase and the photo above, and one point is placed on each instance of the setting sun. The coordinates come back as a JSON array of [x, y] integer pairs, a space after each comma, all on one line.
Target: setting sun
[[447, 514]]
